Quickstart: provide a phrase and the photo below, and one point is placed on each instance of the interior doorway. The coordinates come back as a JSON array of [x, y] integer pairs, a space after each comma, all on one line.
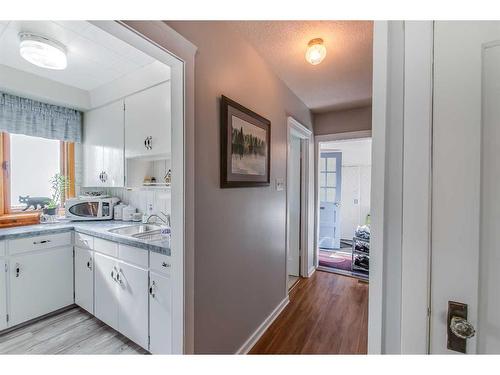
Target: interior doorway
[[299, 254], [344, 186]]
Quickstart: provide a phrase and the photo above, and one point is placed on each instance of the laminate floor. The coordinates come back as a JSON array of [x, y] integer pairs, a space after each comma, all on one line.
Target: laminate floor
[[327, 314], [73, 331]]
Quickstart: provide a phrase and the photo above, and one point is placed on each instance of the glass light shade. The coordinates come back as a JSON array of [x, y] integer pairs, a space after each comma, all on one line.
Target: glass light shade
[[42, 52], [316, 51]]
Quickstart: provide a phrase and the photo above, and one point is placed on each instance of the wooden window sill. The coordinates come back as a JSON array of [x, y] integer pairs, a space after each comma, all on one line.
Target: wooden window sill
[[15, 220]]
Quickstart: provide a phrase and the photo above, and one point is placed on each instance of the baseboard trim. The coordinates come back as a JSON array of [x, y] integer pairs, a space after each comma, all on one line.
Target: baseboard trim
[[254, 337], [311, 271]]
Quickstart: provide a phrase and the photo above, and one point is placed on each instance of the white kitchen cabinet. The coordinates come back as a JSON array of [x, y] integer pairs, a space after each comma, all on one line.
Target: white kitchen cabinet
[[84, 279], [3, 294], [160, 314], [40, 282], [106, 304], [103, 142], [133, 300], [148, 122]]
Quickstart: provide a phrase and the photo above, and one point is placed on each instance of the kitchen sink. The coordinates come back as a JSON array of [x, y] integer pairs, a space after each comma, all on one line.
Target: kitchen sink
[[150, 236], [136, 230]]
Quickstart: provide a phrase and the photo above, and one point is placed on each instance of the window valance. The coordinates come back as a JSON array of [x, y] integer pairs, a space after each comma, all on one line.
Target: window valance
[[30, 117]]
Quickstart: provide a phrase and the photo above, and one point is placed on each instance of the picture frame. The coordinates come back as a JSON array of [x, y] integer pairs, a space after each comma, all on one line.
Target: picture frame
[[245, 159]]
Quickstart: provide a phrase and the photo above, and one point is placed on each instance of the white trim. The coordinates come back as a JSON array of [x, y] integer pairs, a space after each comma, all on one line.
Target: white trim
[[311, 271], [166, 45], [416, 240], [379, 120], [295, 128], [343, 136], [254, 337]]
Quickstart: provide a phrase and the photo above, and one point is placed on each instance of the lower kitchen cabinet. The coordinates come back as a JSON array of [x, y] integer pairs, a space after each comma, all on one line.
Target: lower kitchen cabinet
[[40, 283], [160, 314], [84, 279], [133, 300], [3, 295], [106, 290]]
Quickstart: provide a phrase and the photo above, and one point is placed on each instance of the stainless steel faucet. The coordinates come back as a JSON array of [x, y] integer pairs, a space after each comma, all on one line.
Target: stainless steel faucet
[[165, 220]]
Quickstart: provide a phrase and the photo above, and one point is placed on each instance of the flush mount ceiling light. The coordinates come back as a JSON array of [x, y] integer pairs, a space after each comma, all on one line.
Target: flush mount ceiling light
[[316, 51], [42, 51]]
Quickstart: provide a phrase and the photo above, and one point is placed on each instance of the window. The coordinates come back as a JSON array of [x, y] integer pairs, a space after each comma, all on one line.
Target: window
[[328, 177], [28, 164]]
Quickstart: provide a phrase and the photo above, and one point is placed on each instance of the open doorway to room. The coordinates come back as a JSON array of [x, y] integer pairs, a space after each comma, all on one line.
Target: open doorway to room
[[344, 185], [299, 204]]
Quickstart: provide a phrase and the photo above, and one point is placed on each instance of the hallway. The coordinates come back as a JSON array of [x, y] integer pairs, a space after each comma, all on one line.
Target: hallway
[[327, 314]]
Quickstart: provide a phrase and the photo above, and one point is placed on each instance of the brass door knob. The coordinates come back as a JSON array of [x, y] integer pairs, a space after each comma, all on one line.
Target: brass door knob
[[462, 328]]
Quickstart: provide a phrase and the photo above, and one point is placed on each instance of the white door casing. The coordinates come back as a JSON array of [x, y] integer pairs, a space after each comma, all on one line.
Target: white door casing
[[294, 205], [308, 262]]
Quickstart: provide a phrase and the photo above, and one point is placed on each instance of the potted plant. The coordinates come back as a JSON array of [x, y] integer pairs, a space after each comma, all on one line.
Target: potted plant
[[59, 184]]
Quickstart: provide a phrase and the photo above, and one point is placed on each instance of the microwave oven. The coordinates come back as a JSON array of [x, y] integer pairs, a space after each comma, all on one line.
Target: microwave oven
[[90, 208]]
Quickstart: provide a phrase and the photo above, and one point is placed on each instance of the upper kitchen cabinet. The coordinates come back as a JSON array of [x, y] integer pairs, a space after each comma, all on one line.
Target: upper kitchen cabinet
[[148, 123], [103, 142]]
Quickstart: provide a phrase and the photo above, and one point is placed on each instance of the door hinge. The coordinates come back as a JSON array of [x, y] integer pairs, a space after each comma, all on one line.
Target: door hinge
[[149, 340], [428, 311], [6, 267], [124, 106], [7, 318]]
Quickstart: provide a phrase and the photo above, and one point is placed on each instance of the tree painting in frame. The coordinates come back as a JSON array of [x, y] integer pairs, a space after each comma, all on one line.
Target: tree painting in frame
[[245, 146]]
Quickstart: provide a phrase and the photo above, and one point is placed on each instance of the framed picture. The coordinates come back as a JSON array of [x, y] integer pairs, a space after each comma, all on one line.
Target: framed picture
[[245, 146]]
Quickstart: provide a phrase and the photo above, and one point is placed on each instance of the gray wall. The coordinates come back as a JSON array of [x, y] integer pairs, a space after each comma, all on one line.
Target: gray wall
[[343, 121], [239, 233]]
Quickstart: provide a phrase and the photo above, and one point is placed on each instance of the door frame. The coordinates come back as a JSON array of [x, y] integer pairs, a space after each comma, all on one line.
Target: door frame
[[360, 134], [296, 129], [160, 41], [399, 292]]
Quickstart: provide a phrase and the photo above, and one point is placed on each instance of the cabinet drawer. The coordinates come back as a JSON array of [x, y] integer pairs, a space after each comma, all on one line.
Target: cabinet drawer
[[106, 247], [23, 245], [2, 248], [84, 241], [160, 263], [133, 255]]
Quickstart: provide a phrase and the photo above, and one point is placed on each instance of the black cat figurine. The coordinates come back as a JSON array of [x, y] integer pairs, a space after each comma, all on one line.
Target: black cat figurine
[[41, 202]]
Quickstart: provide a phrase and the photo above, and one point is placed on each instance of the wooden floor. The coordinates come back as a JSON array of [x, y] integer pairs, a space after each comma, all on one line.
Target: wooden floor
[[71, 332], [327, 314]]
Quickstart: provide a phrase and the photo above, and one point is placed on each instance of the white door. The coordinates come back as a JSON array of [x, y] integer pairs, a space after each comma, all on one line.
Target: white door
[[294, 206], [148, 122], [160, 314], [466, 176], [40, 283], [3, 295], [133, 301], [330, 180], [106, 304], [84, 279]]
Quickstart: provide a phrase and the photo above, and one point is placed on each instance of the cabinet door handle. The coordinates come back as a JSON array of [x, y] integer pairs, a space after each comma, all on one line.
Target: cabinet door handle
[[89, 264], [118, 277], [18, 269], [146, 143], [104, 176], [151, 289], [40, 242], [165, 264], [113, 275]]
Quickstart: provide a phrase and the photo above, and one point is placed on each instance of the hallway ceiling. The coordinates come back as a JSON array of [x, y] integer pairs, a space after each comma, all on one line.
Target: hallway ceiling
[[343, 80]]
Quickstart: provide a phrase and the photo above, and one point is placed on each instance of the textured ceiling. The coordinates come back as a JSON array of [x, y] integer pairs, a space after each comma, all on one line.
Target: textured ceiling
[[342, 80]]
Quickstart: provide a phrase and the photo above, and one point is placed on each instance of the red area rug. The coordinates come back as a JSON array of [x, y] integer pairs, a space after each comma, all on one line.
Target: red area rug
[[335, 259]]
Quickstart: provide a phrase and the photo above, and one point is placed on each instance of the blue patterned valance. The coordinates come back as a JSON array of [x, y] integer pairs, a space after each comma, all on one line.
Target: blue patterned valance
[[29, 117]]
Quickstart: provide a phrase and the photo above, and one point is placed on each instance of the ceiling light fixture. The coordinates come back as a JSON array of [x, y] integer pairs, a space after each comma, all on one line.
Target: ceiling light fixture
[[316, 51], [42, 51]]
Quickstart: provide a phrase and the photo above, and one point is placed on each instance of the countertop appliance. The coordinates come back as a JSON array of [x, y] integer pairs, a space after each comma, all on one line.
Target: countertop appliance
[[90, 208]]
